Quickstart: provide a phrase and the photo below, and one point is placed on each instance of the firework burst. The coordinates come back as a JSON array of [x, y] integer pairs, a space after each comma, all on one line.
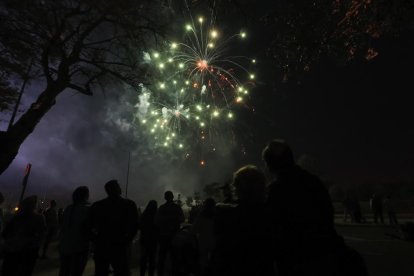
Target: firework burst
[[197, 82]]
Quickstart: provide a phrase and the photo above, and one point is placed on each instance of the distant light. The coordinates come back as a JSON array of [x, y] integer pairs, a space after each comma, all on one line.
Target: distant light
[[243, 34], [202, 124], [202, 162], [200, 19], [230, 115], [252, 76], [173, 45], [144, 121], [161, 65], [216, 113], [214, 34], [162, 85], [165, 144], [174, 81], [16, 208], [156, 55], [180, 146], [253, 61], [239, 99], [188, 27], [246, 92], [199, 108], [210, 45], [170, 60]]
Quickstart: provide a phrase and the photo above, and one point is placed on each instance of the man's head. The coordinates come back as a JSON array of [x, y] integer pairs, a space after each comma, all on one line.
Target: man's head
[[112, 188], [250, 184], [169, 196], [277, 155]]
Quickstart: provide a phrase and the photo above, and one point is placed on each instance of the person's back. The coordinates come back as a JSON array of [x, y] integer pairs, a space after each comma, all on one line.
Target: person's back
[[73, 227], [51, 217], [74, 240], [24, 231], [301, 217], [168, 219], [23, 235], [148, 239], [114, 220], [113, 223], [242, 240], [301, 205]]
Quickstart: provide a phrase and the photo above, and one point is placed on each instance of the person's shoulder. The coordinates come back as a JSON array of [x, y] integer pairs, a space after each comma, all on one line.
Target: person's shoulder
[[129, 202], [99, 204]]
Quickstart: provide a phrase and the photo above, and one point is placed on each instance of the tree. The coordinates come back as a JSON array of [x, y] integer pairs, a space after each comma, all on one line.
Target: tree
[[301, 33], [75, 45]]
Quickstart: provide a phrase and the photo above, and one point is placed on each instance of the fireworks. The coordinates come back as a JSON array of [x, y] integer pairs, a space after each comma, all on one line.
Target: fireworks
[[197, 82]]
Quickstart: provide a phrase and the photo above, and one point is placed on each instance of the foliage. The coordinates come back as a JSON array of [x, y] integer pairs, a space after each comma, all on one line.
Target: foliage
[[300, 33], [71, 44]]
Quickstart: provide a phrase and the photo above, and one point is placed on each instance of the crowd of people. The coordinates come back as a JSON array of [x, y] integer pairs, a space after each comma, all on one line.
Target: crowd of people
[[377, 205], [282, 228]]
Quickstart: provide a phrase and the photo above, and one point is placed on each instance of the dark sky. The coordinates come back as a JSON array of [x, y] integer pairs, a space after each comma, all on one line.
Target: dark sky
[[354, 121]]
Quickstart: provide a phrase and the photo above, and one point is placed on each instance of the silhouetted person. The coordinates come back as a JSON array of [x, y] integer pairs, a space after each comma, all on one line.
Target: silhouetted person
[[148, 239], [242, 239], [347, 204], [52, 225], [60, 216], [376, 208], [390, 209], [74, 240], [203, 227], [168, 218], [1, 211], [113, 223], [302, 217], [195, 209], [23, 235]]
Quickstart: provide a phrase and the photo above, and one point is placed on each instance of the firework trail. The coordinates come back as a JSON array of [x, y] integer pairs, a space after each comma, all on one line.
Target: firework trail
[[196, 87]]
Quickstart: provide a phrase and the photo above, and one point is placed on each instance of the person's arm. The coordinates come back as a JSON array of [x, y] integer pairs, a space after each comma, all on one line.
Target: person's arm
[[89, 225]]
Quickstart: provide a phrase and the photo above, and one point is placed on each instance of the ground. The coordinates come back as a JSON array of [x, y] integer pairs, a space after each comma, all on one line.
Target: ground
[[384, 254]]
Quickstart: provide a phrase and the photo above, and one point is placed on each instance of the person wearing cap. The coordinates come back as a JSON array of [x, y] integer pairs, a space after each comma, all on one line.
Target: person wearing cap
[[113, 224]]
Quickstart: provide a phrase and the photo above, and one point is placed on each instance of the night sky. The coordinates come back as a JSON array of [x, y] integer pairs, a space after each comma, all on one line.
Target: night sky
[[354, 121]]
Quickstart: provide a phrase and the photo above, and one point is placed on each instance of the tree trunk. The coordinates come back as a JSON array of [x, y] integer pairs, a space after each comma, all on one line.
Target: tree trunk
[[11, 140]]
